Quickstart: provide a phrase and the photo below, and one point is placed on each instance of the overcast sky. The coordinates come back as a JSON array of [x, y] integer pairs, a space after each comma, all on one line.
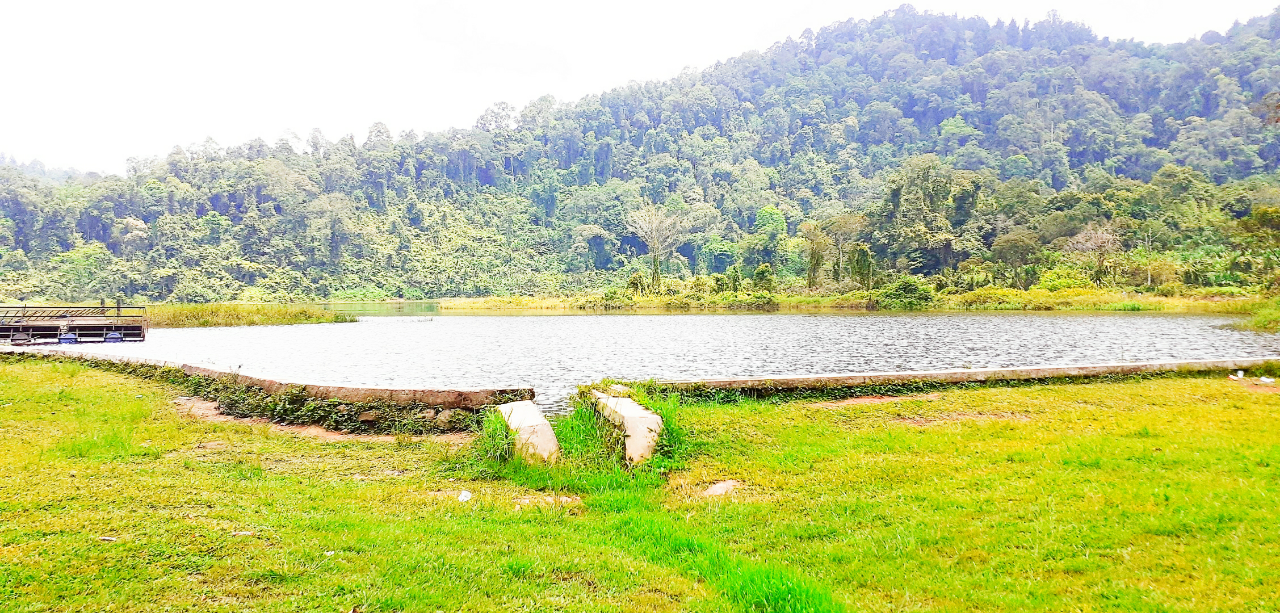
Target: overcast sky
[[88, 85]]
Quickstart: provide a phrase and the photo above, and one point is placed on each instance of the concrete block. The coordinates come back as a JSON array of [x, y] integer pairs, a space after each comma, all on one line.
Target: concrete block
[[767, 384], [535, 440], [454, 399], [640, 426]]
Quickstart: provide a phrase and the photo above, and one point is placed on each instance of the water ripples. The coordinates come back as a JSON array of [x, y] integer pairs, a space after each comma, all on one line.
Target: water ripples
[[554, 354]]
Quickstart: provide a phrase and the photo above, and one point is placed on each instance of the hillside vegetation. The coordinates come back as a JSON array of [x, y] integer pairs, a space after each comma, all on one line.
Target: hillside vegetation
[[972, 153]]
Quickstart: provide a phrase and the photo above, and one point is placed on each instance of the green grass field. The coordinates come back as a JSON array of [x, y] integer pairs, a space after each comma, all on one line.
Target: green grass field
[[1142, 495]]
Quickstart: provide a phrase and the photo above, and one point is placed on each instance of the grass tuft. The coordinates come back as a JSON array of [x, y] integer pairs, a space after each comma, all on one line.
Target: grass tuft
[[105, 443]]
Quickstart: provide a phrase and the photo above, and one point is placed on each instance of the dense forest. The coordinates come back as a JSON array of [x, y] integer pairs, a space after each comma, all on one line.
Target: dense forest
[[962, 151]]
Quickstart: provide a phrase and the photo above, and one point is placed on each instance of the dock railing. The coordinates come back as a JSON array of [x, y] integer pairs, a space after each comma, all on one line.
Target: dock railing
[[23, 324]]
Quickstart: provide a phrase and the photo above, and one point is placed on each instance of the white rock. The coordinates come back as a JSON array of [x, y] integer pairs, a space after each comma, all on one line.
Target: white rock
[[640, 426], [535, 440]]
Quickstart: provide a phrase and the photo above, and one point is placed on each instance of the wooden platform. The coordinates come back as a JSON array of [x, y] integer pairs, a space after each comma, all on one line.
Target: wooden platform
[[28, 325]]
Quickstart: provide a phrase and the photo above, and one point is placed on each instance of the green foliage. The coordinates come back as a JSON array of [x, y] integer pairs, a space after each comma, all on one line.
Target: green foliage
[[908, 293], [492, 448], [292, 406], [734, 279], [753, 586], [1117, 160], [210, 315], [1055, 279], [763, 280], [1266, 318]]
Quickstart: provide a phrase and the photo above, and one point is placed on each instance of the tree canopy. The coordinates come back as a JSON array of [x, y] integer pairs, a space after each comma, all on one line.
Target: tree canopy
[[938, 134]]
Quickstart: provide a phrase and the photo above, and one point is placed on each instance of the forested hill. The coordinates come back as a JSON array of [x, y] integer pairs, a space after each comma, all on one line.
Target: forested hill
[[1026, 121]]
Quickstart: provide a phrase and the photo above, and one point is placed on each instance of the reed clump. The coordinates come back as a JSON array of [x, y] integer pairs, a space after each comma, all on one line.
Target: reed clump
[[1089, 299], [885, 299], [240, 314], [1266, 318]]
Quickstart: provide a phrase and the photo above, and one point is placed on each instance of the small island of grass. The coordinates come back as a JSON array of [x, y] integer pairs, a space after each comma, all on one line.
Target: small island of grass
[[237, 314]]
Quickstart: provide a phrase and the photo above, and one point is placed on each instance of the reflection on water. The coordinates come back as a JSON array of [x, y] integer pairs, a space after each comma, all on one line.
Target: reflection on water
[[553, 354]]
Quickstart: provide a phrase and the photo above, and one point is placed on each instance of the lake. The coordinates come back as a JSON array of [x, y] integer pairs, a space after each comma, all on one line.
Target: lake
[[555, 353]]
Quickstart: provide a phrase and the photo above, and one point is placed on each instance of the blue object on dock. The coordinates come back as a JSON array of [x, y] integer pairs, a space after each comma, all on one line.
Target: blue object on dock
[[67, 338], [113, 337]]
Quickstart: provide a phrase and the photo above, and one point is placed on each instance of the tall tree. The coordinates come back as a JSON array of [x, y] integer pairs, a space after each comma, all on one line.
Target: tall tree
[[662, 232], [817, 243]]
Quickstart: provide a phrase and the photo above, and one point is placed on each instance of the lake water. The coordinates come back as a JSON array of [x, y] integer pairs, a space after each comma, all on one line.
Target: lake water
[[555, 353]]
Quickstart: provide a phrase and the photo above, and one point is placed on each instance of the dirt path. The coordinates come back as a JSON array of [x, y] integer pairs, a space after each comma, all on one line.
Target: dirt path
[[207, 410], [1258, 387]]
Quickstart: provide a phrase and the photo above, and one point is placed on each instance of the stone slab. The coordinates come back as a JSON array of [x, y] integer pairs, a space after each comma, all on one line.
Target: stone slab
[[640, 426], [455, 399], [966, 375], [535, 440]]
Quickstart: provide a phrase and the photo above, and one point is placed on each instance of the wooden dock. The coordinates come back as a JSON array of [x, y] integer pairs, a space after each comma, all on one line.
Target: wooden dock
[[31, 325]]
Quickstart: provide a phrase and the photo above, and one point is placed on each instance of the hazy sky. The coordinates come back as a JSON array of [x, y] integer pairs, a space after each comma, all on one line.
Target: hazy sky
[[90, 84]]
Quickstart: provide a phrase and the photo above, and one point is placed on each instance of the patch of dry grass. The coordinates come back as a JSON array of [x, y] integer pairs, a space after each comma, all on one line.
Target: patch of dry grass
[[238, 314]]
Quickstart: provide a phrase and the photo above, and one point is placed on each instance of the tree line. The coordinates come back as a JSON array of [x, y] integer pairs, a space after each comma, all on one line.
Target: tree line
[[962, 150]]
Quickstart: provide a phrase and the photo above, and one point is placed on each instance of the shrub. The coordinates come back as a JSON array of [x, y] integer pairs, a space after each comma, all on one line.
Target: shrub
[[226, 314], [764, 279], [719, 283], [758, 301], [1124, 306], [1266, 318], [636, 284], [1055, 279], [994, 298], [907, 294], [698, 285], [734, 278], [1220, 292]]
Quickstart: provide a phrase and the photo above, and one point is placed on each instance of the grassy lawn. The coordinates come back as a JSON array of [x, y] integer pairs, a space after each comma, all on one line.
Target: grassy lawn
[[1144, 495]]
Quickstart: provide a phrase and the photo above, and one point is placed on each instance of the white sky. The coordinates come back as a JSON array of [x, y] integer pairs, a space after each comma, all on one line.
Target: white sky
[[89, 84]]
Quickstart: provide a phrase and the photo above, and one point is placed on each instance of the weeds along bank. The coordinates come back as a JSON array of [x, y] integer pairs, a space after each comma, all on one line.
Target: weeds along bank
[[290, 406], [232, 314], [1118, 494], [905, 295], [170, 315]]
